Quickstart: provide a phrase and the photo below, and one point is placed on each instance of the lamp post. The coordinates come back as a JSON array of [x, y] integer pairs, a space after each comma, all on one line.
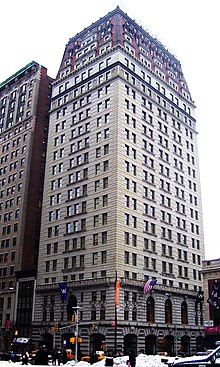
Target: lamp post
[[76, 331], [6, 289], [176, 339], [174, 323], [54, 334]]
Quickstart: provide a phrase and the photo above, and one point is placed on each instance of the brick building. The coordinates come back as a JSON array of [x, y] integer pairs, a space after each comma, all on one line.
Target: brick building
[[24, 119]]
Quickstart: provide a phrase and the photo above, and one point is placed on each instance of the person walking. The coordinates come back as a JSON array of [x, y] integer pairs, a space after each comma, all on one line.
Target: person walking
[[132, 359], [25, 358]]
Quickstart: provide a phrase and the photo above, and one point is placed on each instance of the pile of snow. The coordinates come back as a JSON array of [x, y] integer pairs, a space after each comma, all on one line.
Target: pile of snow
[[142, 360]]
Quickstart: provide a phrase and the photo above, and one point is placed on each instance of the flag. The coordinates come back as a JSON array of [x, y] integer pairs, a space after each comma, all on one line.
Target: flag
[[117, 292], [63, 291], [215, 293], [199, 297], [149, 285], [7, 325]]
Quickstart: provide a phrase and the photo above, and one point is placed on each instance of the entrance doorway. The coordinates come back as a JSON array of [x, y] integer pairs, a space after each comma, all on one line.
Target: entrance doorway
[[150, 344], [130, 343]]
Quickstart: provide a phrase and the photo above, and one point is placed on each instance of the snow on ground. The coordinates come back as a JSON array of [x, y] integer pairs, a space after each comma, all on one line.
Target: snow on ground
[[142, 360]]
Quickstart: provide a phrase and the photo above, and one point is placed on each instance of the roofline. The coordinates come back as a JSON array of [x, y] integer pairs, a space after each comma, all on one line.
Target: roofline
[[118, 10], [19, 74]]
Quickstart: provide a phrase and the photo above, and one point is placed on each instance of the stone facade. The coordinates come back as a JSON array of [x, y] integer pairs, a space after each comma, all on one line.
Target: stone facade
[[121, 196]]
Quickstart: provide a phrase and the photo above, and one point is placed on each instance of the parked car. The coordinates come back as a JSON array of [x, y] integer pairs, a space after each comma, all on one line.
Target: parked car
[[213, 358], [99, 356]]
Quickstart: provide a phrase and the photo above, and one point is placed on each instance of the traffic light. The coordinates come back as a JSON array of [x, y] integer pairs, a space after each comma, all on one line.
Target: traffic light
[[52, 329], [93, 327], [57, 327], [73, 317]]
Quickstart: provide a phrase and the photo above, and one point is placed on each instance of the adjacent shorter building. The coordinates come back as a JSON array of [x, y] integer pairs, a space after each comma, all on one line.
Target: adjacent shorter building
[[211, 286], [24, 122], [121, 196]]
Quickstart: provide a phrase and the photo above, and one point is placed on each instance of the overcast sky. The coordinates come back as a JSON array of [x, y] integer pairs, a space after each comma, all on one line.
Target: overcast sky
[[39, 30]]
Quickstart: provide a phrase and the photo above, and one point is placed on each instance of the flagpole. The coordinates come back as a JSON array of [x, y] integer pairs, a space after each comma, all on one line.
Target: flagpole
[[116, 319]]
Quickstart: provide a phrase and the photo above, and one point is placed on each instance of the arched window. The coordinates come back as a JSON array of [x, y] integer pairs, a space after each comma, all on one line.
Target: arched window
[[150, 309], [44, 314], [52, 313], [93, 313], [168, 312], [72, 302], [102, 313], [134, 314], [126, 313], [184, 313]]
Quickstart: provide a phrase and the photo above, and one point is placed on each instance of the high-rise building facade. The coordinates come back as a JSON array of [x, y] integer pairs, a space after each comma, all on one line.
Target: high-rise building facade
[[24, 118], [121, 197]]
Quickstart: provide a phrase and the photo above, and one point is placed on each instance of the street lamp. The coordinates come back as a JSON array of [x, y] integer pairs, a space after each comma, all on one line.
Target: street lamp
[[75, 309], [6, 289], [174, 321]]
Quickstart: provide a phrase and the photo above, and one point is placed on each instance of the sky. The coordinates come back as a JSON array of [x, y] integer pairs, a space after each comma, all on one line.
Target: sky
[[190, 29]]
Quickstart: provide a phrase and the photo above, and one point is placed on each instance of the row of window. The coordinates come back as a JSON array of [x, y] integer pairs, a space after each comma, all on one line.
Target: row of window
[[6, 243], [102, 219], [11, 215], [128, 275], [5, 257], [151, 264], [85, 87], [10, 203], [9, 229], [145, 89], [161, 125], [13, 166], [129, 310], [10, 190], [7, 271]]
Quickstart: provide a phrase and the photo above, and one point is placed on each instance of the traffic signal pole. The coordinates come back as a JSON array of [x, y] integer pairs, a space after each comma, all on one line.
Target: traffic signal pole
[[77, 334], [76, 310], [54, 334]]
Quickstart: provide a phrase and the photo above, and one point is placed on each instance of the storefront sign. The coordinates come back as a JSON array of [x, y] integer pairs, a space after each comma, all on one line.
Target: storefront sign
[[211, 329]]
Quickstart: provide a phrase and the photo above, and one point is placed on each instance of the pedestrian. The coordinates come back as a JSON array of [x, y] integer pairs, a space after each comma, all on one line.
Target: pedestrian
[[25, 358], [64, 356], [58, 357], [93, 357], [132, 359], [54, 356]]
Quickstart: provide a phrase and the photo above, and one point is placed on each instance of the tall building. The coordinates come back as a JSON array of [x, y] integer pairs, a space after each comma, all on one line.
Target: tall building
[[24, 118], [121, 198]]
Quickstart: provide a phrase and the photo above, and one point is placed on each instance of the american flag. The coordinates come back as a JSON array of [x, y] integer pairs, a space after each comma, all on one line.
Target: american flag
[[149, 285]]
